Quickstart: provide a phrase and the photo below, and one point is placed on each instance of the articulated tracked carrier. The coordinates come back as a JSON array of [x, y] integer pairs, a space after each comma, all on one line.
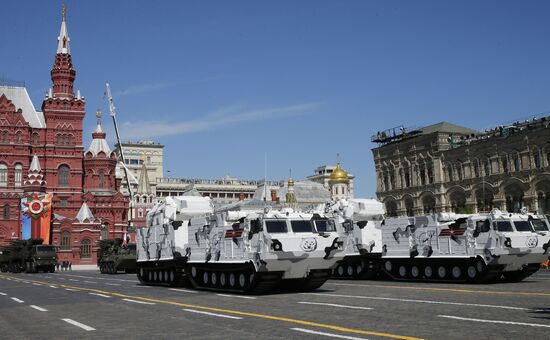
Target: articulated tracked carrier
[[245, 251], [472, 248]]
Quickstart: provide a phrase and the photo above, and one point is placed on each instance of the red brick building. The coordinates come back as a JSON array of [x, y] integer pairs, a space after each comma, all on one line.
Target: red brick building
[[87, 204]]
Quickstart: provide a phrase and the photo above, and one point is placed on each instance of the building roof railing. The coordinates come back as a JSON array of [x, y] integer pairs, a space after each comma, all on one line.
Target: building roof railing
[[395, 134], [502, 131], [222, 181]]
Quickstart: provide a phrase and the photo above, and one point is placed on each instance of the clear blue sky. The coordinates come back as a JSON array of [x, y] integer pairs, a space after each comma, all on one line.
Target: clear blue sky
[[222, 82]]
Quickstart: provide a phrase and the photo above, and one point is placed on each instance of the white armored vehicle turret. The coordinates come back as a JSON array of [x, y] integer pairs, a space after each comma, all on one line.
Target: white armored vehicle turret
[[248, 251], [474, 248], [161, 245]]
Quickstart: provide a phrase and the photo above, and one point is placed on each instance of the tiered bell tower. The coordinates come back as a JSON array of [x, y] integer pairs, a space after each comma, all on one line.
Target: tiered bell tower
[[63, 114]]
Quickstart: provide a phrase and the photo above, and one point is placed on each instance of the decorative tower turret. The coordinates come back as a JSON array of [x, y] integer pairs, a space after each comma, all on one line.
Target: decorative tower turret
[[339, 182]]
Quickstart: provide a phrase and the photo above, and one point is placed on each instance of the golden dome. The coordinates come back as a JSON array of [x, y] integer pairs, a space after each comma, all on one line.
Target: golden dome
[[339, 175], [290, 182]]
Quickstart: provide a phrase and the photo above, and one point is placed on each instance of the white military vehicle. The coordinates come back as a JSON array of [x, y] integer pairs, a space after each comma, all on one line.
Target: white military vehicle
[[360, 219], [248, 251], [473, 248], [161, 245], [256, 251]]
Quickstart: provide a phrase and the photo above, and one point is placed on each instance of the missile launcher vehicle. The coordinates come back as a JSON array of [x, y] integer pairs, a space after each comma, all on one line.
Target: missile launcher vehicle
[[465, 248], [115, 256], [363, 248], [30, 256], [245, 251]]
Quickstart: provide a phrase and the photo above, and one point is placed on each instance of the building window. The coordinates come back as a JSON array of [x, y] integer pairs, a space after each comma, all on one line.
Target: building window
[[85, 249], [70, 140], [63, 202], [450, 173], [63, 173], [407, 178], [140, 212], [3, 175], [517, 163], [18, 175], [548, 159], [459, 171], [101, 180], [476, 168], [6, 213], [18, 137], [65, 240], [487, 165], [504, 164], [4, 136], [537, 160], [35, 138]]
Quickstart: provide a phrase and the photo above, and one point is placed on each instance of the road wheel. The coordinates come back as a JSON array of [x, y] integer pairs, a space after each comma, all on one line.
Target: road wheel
[[214, 278], [402, 271], [388, 266], [349, 270], [415, 272], [205, 278], [471, 271], [428, 272], [457, 272], [232, 279], [242, 280], [340, 270], [442, 272]]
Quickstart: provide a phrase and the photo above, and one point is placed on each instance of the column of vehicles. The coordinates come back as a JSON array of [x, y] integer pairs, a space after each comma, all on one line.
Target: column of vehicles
[[29, 256], [253, 247]]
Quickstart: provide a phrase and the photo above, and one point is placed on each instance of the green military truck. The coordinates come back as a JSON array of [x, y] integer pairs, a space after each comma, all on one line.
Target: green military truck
[[114, 256], [30, 256]]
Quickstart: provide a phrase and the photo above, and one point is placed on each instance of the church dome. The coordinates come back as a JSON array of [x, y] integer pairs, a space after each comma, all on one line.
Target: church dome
[[339, 175]]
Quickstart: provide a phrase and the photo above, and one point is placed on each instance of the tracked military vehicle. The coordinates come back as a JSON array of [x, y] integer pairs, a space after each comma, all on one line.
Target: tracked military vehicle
[[363, 248], [246, 251], [115, 256], [30, 256], [161, 245], [472, 248]]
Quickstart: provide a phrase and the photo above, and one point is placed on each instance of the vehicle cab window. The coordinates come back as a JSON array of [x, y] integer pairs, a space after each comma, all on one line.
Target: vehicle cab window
[[324, 226], [523, 226], [502, 226], [301, 226], [539, 225], [276, 226]]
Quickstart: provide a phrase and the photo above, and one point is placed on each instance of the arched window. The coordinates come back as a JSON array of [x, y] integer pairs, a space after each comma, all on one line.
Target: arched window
[[18, 175], [63, 175], [4, 136], [65, 240], [6, 213], [35, 138], [70, 140], [459, 171], [19, 137], [517, 163], [487, 165], [85, 249], [3, 175], [537, 159], [476, 168], [504, 161], [101, 180]]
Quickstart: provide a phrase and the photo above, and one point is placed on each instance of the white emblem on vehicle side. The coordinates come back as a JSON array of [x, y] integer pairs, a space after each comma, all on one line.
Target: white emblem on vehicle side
[[532, 242], [308, 244]]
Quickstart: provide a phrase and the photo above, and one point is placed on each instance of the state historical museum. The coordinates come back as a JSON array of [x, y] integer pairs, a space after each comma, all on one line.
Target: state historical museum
[[41, 153]]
